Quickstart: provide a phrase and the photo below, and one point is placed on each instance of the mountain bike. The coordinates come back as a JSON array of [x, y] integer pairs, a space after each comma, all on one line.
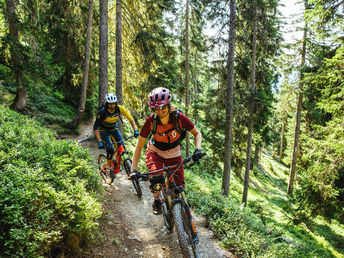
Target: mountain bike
[[105, 169], [175, 208]]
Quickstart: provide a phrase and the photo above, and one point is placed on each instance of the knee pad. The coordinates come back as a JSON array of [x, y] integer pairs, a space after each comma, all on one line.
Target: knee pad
[[110, 152], [156, 183]]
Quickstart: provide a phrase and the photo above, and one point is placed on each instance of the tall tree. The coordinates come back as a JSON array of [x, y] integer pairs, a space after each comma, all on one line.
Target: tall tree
[[251, 105], [229, 101], [284, 124], [187, 70], [16, 55], [103, 51], [298, 112], [119, 55], [82, 101]]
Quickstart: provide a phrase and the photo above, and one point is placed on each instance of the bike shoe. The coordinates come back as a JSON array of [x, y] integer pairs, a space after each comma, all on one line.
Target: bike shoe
[[112, 174], [157, 207], [195, 238]]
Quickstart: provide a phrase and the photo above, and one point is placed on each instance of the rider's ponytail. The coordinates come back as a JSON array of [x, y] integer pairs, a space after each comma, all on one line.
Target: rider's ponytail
[[173, 113]]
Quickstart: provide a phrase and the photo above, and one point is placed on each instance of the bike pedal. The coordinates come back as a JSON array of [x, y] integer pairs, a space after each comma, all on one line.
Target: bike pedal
[[195, 241], [195, 238]]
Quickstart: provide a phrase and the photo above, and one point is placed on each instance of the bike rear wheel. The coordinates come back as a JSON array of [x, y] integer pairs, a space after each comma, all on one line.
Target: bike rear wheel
[[135, 181], [184, 231], [104, 169]]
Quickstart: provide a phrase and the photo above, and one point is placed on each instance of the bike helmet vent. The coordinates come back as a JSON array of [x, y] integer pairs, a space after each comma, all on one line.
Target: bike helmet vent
[[159, 97], [110, 98]]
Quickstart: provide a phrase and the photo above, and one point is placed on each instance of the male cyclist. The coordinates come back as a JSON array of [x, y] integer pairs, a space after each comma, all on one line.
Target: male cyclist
[[106, 125]]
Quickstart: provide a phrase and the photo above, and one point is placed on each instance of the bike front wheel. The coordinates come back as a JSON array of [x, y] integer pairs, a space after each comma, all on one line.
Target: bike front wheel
[[104, 169], [135, 181], [166, 212], [185, 231]]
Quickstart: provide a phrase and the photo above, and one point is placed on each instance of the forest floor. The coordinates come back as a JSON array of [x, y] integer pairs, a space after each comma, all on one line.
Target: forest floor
[[130, 229]]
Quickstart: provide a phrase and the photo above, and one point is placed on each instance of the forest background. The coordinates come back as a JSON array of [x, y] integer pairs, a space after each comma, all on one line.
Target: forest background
[[249, 92]]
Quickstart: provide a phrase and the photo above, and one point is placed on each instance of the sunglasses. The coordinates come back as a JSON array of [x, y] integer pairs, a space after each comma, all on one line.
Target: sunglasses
[[159, 108]]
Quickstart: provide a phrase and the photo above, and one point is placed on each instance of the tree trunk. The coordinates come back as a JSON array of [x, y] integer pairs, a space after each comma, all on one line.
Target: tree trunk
[[187, 68], [195, 91], [251, 108], [21, 96], [82, 101], [67, 79], [119, 93], [257, 153], [229, 102], [282, 140], [298, 114], [103, 51]]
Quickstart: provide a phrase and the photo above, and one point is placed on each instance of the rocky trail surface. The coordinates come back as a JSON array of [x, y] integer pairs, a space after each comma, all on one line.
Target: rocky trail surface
[[130, 229]]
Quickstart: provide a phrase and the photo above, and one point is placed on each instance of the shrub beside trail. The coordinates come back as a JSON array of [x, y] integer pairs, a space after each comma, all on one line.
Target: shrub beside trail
[[49, 191]]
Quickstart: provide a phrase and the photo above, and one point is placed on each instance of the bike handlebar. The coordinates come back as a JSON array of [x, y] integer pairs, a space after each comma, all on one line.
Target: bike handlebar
[[188, 161], [124, 140]]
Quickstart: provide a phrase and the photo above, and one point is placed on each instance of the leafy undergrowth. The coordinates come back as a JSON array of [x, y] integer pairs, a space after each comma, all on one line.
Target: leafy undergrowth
[[48, 192], [265, 227], [51, 111], [47, 108]]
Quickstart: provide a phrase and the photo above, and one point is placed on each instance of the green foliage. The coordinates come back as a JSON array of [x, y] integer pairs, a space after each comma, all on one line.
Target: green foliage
[[322, 163], [50, 109], [240, 230], [270, 225], [51, 47], [48, 190]]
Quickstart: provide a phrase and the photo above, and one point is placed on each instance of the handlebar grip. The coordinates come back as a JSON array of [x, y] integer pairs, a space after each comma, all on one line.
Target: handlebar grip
[[138, 175], [190, 162]]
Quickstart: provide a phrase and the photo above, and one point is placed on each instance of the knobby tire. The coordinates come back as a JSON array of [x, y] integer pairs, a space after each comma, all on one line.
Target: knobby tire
[[134, 180], [167, 214], [183, 230], [104, 170]]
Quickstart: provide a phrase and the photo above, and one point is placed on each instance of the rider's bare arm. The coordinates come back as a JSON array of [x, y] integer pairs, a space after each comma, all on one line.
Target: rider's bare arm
[[132, 122], [198, 138], [139, 146], [97, 134]]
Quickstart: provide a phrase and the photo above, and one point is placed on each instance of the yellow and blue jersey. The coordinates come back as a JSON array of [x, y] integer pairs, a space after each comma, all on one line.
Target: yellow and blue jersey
[[107, 120]]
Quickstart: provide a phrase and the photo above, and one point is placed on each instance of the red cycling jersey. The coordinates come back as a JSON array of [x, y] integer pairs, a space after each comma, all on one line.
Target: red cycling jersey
[[165, 133]]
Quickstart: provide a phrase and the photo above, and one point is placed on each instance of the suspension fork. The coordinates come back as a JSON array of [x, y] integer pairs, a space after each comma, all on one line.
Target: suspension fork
[[186, 207]]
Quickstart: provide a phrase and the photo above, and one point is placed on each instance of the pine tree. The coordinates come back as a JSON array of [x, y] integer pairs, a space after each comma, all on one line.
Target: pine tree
[[103, 52]]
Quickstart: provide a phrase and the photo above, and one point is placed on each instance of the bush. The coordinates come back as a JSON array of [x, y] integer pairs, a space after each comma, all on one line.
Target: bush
[[50, 109], [240, 230], [48, 191]]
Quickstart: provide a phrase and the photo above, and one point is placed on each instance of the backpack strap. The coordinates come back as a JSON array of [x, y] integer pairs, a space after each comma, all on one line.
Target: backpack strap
[[179, 123], [179, 126], [155, 119], [119, 113]]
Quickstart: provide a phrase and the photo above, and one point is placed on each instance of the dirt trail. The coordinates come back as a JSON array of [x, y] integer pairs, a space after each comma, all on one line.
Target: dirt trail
[[130, 229]]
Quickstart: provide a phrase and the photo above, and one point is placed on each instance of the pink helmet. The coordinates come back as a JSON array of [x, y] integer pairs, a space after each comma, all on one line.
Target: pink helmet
[[159, 97]]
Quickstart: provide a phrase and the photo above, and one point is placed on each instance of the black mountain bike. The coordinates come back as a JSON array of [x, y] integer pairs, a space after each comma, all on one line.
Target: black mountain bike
[[104, 168], [175, 208]]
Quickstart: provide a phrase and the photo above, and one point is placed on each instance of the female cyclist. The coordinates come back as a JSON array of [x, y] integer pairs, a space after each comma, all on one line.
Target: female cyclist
[[165, 124]]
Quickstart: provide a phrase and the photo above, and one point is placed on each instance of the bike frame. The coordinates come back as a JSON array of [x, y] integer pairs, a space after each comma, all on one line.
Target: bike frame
[[119, 152], [170, 187]]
